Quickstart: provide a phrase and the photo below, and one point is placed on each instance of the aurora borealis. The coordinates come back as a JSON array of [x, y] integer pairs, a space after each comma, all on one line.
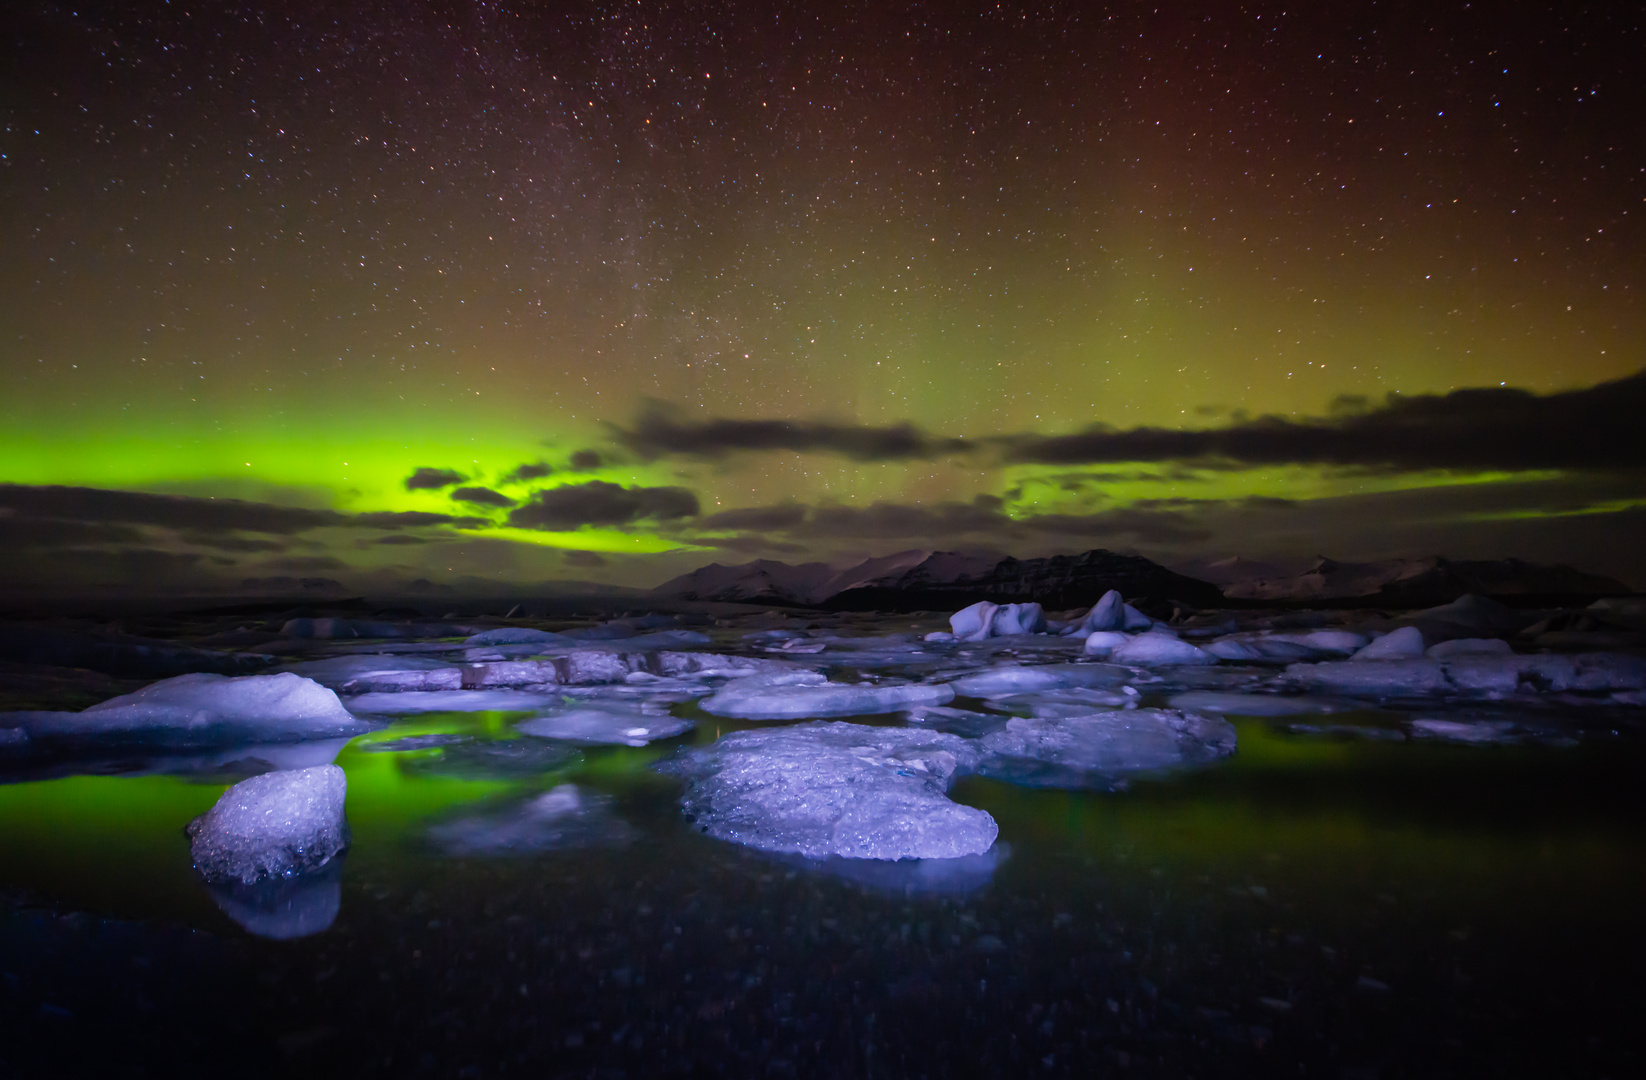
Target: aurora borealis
[[497, 294]]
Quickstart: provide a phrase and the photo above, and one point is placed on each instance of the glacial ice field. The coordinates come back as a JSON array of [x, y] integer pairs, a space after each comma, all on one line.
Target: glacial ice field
[[846, 845]]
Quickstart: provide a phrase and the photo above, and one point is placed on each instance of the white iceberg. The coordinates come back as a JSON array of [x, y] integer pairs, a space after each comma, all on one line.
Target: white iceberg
[[274, 825], [841, 789], [1004, 679], [383, 673], [204, 710], [1395, 645], [516, 635], [1010, 619], [605, 725], [795, 695], [1104, 642], [1065, 751], [1158, 649], [419, 701], [973, 623]]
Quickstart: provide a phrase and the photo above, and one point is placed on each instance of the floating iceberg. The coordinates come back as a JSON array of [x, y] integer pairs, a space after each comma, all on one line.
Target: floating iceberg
[[605, 725], [1004, 679], [273, 825], [826, 789], [1012, 619], [204, 710], [357, 674], [1104, 642], [1074, 751], [1255, 704], [1109, 613], [1158, 649], [418, 701], [1395, 645], [973, 623], [516, 635], [795, 695]]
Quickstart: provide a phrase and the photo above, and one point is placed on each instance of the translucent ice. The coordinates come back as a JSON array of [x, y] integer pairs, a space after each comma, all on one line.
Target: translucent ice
[[796, 695], [283, 908], [204, 710], [605, 724], [273, 825], [418, 701], [1071, 751], [1005, 679], [516, 635], [1155, 649], [842, 789], [1395, 645], [1104, 642]]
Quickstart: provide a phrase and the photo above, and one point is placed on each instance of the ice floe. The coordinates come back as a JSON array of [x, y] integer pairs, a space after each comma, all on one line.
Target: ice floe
[[835, 789], [274, 825], [1395, 645], [426, 701], [1080, 750], [1004, 679], [1157, 649], [203, 710], [1257, 704], [597, 724], [360, 674], [516, 635], [795, 695]]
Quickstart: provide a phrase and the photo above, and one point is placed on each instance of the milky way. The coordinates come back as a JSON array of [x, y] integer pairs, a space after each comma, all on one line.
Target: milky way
[[671, 283]]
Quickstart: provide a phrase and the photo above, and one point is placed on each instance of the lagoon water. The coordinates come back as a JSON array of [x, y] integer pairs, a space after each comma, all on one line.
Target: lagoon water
[[1317, 904]]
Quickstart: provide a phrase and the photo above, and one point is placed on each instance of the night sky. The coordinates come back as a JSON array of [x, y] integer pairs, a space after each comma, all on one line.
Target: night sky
[[495, 294]]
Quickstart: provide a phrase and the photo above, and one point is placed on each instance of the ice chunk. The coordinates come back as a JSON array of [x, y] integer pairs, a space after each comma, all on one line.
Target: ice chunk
[[605, 724], [1156, 649], [1109, 613], [800, 694], [913, 877], [1104, 642], [563, 817], [1239, 649], [1075, 701], [516, 635], [204, 710], [416, 701], [941, 636], [1468, 647], [1343, 642], [1012, 619], [358, 674], [1135, 619], [963, 722], [1073, 751], [273, 825], [284, 908], [825, 789], [1397, 644], [973, 623], [1477, 732], [1382, 678], [1016, 679], [1254, 704]]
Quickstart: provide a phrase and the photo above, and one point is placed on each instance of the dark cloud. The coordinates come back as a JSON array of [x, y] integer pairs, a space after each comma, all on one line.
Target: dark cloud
[[20, 533], [757, 544], [599, 503], [427, 479], [533, 471], [1482, 428], [584, 558], [481, 496], [170, 511], [585, 460], [404, 539], [411, 519], [660, 431]]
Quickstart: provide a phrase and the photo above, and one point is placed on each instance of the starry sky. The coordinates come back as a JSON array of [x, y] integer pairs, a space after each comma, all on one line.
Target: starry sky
[[494, 294]]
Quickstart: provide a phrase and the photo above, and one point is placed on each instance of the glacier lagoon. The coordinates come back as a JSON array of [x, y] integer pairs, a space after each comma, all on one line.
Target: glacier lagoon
[[1362, 887]]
